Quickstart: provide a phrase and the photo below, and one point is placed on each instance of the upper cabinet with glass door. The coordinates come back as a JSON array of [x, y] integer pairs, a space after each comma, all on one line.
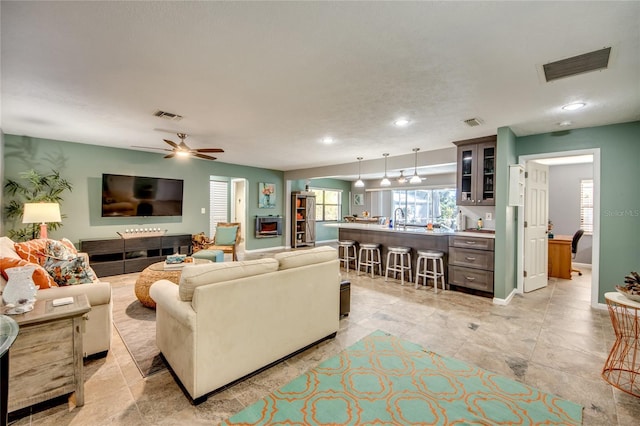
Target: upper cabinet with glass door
[[476, 171]]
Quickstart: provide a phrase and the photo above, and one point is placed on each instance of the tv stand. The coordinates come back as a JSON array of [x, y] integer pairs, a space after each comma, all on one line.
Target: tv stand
[[115, 256]]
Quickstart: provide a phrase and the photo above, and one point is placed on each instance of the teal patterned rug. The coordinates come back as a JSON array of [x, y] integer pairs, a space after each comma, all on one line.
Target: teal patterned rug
[[383, 379]]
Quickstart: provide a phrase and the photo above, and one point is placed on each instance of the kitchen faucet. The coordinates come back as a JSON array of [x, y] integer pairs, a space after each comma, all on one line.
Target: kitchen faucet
[[395, 219]]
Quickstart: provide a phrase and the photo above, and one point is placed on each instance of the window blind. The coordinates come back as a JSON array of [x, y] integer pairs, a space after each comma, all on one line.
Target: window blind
[[218, 204]]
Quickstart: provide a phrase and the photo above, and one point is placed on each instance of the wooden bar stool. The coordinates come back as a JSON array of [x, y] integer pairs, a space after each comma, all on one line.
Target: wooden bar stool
[[346, 257], [398, 253], [437, 270], [369, 256]]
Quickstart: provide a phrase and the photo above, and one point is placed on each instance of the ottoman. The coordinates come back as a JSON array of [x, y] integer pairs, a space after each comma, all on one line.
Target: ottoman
[[211, 255]]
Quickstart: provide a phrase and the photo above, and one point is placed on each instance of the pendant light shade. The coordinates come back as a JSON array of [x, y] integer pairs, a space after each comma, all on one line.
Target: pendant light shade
[[385, 180], [415, 178], [359, 183]]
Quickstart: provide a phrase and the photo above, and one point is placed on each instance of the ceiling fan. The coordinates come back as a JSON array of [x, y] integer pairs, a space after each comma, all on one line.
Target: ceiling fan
[[183, 150]]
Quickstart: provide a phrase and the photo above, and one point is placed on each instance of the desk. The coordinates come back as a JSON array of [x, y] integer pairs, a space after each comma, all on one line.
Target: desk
[[560, 256], [622, 368]]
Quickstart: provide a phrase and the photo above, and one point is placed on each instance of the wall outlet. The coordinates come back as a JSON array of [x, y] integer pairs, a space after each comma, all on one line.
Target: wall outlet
[[488, 216], [203, 210]]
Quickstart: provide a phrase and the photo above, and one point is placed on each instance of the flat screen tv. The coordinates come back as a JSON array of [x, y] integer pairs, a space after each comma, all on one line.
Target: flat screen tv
[[141, 196]]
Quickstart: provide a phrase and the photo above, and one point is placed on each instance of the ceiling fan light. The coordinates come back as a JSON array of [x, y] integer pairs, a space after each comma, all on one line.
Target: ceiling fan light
[[402, 178], [182, 153]]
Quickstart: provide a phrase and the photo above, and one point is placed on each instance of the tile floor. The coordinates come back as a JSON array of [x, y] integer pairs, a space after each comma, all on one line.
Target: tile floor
[[550, 339]]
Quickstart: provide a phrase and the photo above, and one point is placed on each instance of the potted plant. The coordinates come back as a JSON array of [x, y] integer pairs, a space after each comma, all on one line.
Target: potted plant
[[32, 187]]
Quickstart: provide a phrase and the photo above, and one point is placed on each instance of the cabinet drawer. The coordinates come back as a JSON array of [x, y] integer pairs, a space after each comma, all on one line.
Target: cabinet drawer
[[95, 247], [148, 243], [477, 243], [471, 278], [479, 259]]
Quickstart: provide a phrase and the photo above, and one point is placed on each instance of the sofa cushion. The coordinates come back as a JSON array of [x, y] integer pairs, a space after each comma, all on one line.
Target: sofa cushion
[[196, 275], [40, 276], [7, 248], [98, 293], [295, 259]]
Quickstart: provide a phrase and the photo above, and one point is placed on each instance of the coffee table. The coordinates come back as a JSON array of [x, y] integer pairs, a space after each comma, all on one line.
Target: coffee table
[[155, 272]]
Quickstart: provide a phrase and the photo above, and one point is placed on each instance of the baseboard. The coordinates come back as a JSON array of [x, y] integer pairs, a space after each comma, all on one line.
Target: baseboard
[[507, 300]]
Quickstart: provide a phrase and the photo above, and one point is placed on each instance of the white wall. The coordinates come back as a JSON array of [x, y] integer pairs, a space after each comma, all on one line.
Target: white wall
[[564, 203]]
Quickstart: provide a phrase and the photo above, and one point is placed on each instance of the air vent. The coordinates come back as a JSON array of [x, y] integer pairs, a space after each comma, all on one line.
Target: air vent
[[473, 122], [167, 115], [592, 61]]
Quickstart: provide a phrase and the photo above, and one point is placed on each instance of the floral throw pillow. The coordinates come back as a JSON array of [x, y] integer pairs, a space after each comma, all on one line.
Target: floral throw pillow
[[69, 271]]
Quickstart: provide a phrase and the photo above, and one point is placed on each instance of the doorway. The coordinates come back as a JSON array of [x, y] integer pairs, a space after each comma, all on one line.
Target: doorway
[[238, 211], [595, 248]]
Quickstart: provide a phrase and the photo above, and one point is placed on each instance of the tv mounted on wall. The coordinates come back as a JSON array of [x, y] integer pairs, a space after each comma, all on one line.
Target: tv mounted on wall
[[141, 196]]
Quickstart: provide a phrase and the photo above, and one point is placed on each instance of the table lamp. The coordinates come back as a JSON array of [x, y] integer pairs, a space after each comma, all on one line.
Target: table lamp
[[41, 213]]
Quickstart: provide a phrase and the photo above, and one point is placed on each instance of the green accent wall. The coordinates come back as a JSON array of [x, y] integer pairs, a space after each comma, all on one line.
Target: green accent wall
[[506, 235], [619, 146], [84, 164], [324, 233]]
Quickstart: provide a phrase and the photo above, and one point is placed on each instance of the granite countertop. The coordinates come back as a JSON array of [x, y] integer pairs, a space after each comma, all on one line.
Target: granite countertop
[[420, 230]]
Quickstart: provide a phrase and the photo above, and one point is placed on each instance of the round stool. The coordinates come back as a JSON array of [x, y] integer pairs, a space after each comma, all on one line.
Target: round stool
[[436, 271], [367, 258], [346, 257], [398, 252]]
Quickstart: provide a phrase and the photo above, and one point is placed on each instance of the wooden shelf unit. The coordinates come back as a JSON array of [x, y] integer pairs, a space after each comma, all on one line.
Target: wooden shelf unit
[[115, 256], [303, 219]]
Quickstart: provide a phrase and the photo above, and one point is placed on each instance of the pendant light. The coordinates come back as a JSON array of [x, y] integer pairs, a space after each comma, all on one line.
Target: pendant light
[[415, 178], [359, 183], [402, 178], [385, 180]]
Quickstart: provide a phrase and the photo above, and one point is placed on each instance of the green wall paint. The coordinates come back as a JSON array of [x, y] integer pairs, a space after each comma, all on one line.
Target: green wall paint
[[324, 233], [84, 164], [619, 146], [506, 235]]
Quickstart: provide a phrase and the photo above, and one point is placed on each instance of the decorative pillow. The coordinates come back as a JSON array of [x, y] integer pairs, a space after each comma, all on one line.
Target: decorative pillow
[[32, 251], [69, 271], [40, 276], [59, 250], [69, 244], [226, 235], [7, 248]]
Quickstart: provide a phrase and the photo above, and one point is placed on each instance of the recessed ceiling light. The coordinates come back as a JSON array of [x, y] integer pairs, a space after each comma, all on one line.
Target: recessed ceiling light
[[328, 140], [564, 123], [574, 106], [401, 122]]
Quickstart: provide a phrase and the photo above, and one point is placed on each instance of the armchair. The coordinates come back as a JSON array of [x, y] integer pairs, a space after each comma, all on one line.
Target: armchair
[[226, 238]]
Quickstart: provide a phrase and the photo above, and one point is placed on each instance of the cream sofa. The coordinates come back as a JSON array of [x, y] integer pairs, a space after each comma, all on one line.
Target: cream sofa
[[97, 331], [226, 320]]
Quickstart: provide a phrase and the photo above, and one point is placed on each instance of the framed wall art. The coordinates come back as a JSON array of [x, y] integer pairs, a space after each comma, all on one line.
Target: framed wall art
[[266, 195]]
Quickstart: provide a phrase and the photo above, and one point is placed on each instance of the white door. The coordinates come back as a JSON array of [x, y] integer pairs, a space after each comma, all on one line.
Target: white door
[[536, 217]]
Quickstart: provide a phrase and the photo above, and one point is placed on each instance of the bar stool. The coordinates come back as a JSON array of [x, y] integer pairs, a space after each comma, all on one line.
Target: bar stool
[[346, 257], [369, 252], [437, 267], [401, 252]]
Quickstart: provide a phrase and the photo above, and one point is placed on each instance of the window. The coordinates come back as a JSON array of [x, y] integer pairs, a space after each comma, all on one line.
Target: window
[[218, 204], [586, 205], [328, 204], [422, 206]]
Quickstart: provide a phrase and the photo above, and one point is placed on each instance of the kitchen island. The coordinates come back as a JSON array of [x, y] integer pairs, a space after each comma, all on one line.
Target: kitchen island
[[419, 238]]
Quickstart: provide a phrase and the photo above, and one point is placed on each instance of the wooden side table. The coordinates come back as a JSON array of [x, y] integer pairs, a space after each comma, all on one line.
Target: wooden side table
[[46, 357], [622, 368]]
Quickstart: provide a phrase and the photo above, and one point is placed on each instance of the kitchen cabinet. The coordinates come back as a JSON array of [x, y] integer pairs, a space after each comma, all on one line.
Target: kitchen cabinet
[[303, 220], [471, 261], [476, 171]]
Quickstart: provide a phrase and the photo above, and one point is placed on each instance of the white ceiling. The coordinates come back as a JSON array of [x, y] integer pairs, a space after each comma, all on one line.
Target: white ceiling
[[267, 81]]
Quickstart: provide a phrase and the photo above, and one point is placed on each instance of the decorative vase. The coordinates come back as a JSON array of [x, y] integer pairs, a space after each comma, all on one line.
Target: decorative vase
[[20, 291]]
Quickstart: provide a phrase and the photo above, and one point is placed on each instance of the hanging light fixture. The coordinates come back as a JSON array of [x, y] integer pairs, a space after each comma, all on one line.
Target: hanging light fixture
[[415, 178], [359, 183], [402, 178], [385, 180]]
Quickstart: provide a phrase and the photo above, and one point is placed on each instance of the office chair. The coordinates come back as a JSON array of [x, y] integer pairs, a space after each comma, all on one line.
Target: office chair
[[574, 248]]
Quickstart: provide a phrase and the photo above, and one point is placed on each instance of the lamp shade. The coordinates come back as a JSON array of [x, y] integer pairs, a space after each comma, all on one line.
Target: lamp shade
[[41, 213]]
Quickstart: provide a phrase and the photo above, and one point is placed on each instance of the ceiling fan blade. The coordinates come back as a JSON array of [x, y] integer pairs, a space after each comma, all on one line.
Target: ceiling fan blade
[[206, 157], [209, 150], [172, 143], [150, 147], [173, 154]]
